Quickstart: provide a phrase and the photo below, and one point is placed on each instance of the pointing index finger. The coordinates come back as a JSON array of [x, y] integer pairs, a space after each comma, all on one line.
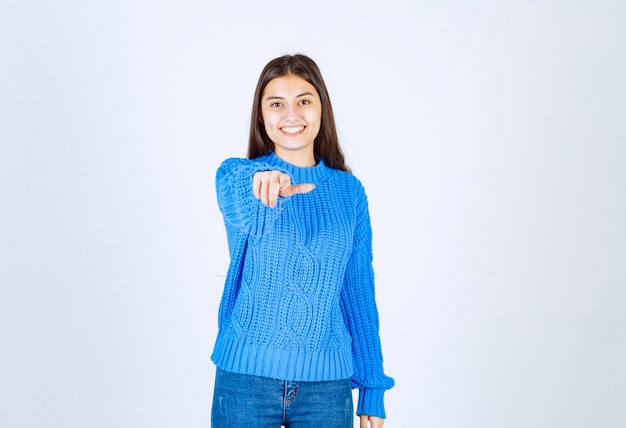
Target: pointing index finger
[[298, 189]]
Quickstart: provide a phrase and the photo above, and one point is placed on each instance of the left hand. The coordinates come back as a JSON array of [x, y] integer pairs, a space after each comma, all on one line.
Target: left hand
[[374, 422]]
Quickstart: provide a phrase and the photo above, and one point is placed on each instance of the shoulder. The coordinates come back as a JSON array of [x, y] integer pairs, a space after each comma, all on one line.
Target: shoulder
[[232, 164], [350, 181], [348, 190]]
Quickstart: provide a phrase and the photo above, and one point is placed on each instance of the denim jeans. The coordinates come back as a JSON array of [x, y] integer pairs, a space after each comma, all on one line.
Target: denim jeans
[[251, 401]]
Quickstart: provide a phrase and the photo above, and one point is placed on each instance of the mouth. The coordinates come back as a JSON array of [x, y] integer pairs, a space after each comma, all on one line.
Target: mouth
[[292, 130]]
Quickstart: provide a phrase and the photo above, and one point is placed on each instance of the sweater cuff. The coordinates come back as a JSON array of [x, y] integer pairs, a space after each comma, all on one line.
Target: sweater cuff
[[371, 402]]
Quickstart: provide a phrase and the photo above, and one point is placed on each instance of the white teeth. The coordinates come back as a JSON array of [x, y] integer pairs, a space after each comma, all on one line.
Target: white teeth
[[292, 129]]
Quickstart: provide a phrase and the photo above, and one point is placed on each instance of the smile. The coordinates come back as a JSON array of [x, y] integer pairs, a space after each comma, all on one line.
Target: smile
[[292, 129]]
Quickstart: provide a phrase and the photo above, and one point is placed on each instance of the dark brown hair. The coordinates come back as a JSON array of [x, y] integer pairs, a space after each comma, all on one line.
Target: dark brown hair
[[326, 145]]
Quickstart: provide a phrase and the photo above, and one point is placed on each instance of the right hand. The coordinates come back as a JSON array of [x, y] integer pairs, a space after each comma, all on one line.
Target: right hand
[[269, 185]]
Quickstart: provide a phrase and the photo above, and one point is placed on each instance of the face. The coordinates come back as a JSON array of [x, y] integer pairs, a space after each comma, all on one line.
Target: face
[[291, 110]]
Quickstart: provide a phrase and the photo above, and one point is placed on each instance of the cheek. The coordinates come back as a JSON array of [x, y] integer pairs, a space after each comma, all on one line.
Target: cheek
[[314, 117], [319, 115], [318, 119], [268, 119]]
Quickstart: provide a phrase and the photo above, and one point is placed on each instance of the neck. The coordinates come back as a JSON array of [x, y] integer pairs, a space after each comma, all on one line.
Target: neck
[[303, 159], [299, 174]]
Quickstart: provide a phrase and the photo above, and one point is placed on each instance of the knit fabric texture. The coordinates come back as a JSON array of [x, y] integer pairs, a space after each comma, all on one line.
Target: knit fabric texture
[[298, 301]]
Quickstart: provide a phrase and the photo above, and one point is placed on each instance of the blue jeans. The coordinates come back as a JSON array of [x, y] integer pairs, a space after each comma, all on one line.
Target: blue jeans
[[251, 401]]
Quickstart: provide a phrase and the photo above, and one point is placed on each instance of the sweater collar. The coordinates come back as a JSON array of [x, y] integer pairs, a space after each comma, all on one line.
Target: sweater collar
[[316, 174]]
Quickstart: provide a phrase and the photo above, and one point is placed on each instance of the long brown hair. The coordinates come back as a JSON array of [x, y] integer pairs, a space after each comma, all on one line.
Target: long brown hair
[[326, 145]]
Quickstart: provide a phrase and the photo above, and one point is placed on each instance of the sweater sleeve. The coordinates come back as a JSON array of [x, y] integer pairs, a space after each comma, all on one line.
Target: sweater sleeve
[[236, 199], [361, 317]]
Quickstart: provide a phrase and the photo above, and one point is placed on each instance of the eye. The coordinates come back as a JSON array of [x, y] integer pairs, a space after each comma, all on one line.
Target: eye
[[276, 104], [304, 102]]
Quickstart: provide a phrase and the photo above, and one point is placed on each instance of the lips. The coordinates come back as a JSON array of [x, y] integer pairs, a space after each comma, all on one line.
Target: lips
[[292, 129]]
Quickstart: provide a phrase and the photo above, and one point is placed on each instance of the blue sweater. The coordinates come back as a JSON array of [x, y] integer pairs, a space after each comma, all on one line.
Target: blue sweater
[[298, 301]]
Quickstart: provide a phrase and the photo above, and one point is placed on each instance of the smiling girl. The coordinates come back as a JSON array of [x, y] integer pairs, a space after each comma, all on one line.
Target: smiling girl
[[298, 323]]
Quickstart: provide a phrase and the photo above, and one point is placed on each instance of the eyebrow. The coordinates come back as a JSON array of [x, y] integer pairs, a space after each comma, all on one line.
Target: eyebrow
[[304, 94]]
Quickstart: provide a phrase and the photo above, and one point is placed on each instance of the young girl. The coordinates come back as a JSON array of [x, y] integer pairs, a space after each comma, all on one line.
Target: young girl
[[298, 324]]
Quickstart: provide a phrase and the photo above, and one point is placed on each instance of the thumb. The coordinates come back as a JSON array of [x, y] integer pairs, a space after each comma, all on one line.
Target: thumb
[[284, 181]]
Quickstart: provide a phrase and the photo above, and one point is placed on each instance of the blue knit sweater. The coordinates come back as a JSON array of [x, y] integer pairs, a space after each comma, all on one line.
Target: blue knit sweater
[[298, 301]]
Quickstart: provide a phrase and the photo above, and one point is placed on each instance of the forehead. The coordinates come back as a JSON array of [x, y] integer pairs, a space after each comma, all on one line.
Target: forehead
[[288, 86]]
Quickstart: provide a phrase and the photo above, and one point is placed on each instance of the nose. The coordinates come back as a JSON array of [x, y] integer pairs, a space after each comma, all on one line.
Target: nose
[[290, 112]]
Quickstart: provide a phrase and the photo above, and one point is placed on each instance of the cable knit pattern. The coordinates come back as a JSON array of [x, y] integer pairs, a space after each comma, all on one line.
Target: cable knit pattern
[[298, 301]]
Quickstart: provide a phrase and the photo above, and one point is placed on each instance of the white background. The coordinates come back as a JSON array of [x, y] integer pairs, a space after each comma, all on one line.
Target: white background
[[490, 137]]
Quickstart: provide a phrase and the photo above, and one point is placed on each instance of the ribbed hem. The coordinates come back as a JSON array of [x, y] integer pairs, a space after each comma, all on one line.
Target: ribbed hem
[[295, 365], [371, 402]]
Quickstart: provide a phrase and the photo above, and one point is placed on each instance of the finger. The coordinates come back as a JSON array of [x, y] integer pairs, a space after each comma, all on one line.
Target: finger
[[275, 180], [300, 188], [295, 189], [264, 189], [267, 185], [272, 192], [285, 181], [256, 185], [277, 183]]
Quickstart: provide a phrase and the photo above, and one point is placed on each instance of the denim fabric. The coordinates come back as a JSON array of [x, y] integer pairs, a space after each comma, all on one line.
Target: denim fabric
[[251, 401]]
